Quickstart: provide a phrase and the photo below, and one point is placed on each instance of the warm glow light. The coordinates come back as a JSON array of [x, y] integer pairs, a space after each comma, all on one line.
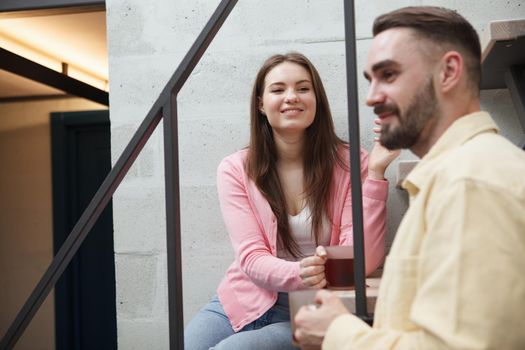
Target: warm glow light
[[78, 74], [53, 63], [30, 54]]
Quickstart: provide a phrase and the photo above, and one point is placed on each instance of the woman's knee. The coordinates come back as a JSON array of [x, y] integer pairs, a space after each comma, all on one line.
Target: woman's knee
[[270, 337], [207, 328]]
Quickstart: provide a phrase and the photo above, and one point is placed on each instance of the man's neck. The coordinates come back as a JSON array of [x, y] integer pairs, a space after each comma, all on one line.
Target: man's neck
[[437, 126]]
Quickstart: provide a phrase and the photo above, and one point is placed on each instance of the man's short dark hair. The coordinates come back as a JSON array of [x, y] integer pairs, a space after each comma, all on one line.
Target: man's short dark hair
[[441, 26]]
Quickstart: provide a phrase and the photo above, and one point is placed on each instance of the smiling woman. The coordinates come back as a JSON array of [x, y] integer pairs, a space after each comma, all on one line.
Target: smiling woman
[[283, 198], [288, 100]]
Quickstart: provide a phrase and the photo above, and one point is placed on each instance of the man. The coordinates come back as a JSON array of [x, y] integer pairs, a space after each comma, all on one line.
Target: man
[[454, 278]]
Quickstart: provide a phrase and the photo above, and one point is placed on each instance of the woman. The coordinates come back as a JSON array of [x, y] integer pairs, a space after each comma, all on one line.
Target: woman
[[280, 198]]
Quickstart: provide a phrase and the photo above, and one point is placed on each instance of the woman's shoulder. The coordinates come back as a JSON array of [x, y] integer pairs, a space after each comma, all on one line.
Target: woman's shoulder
[[239, 156], [234, 161]]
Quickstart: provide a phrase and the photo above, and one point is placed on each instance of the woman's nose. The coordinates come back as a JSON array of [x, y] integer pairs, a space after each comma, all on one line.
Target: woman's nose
[[291, 96]]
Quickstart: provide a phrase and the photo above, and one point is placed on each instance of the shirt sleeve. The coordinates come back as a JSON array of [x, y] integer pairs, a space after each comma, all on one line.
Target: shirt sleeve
[[375, 194], [470, 288], [252, 248]]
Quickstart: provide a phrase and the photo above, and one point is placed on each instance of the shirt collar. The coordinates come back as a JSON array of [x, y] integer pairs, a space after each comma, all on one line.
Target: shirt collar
[[462, 130]]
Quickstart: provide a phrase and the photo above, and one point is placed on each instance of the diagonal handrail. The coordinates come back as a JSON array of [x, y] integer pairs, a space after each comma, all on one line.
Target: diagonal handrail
[[112, 181], [355, 162], [166, 106]]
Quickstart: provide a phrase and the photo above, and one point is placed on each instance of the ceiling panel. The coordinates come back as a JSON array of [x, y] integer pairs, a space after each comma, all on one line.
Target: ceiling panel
[[78, 39]]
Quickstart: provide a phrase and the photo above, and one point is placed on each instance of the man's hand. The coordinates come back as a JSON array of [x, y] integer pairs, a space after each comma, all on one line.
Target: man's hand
[[311, 323]]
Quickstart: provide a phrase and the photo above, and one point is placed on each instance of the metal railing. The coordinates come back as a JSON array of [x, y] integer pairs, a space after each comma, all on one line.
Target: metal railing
[[165, 107]]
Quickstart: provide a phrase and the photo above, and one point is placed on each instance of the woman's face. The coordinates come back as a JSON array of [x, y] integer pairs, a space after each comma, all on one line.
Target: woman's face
[[288, 99]]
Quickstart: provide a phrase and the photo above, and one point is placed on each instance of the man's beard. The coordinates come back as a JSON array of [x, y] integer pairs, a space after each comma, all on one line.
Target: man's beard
[[421, 109]]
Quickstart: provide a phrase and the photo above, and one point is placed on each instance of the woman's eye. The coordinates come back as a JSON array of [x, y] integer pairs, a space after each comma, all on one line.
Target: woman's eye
[[304, 89], [276, 90]]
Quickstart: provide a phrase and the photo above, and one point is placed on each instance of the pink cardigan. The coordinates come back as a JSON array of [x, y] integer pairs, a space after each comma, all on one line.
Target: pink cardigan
[[251, 283]]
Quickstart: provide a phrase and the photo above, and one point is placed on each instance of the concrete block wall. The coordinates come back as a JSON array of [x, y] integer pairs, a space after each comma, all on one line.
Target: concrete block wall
[[146, 42]]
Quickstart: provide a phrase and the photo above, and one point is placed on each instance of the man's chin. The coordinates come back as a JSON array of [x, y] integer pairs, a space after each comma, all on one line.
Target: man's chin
[[388, 146], [390, 143]]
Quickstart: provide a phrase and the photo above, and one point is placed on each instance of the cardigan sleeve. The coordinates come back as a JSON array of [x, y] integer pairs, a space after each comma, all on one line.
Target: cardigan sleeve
[[374, 193], [253, 248]]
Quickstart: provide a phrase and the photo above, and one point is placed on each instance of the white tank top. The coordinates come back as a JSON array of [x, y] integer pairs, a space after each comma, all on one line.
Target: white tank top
[[301, 231]]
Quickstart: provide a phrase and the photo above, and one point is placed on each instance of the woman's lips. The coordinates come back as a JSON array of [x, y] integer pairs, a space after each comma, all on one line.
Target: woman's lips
[[291, 111]]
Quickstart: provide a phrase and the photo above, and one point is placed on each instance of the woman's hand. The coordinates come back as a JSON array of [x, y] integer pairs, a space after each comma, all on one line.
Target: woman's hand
[[312, 269], [380, 157]]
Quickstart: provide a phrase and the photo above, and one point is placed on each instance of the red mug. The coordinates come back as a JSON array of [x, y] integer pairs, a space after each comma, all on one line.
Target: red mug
[[339, 267]]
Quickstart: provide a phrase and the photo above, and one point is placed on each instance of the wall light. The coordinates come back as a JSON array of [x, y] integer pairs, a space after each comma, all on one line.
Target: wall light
[[53, 63]]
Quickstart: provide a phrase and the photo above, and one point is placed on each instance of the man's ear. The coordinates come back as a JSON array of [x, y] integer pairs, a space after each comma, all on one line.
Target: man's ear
[[451, 70]]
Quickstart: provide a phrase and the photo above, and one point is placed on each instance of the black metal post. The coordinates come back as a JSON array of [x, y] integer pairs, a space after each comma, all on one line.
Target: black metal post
[[173, 232], [355, 161], [171, 164]]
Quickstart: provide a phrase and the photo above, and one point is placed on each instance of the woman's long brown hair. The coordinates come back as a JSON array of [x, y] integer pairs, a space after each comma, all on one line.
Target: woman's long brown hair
[[320, 154]]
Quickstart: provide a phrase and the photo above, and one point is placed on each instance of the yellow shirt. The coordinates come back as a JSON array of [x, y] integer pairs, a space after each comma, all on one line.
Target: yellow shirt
[[455, 276]]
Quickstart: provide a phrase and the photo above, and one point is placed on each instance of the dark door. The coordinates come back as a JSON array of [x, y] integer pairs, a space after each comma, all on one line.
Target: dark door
[[85, 308]]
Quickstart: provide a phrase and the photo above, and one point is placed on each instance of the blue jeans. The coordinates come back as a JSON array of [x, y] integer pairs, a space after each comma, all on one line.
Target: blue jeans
[[211, 329]]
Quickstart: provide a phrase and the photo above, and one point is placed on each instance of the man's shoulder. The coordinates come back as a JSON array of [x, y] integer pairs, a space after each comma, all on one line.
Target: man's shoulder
[[487, 158]]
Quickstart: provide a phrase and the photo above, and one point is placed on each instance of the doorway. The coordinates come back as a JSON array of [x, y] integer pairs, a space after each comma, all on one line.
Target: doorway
[[85, 308]]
